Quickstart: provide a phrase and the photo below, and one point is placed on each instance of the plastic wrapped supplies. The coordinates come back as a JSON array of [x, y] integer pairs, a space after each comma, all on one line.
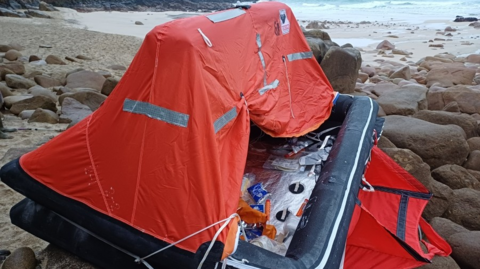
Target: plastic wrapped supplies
[[279, 184]]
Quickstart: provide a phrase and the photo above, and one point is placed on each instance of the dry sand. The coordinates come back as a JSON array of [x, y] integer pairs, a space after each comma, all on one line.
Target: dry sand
[[68, 36]]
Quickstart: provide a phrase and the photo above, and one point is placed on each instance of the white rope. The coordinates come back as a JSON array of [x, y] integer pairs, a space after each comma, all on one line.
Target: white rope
[[288, 81], [370, 187], [227, 220], [245, 100], [205, 38]]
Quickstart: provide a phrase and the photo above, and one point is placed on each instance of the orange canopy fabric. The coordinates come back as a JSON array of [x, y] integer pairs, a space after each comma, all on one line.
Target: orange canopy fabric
[[384, 232], [166, 151]]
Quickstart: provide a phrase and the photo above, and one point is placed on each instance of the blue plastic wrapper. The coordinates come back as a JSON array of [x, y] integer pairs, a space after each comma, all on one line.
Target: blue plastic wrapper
[[260, 208], [258, 193]]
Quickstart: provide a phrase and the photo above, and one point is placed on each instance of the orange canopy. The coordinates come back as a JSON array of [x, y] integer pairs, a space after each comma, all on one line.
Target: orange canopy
[[166, 151]]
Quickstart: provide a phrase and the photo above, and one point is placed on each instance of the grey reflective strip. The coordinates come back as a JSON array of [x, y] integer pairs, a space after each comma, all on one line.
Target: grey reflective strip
[[259, 41], [226, 118], [262, 59], [156, 112], [402, 217], [270, 86], [299, 56], [227, 15], [260, 54], [264, 68]]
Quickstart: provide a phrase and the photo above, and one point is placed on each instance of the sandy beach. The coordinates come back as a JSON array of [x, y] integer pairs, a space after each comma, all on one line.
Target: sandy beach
[[113, 38], [65, 40]]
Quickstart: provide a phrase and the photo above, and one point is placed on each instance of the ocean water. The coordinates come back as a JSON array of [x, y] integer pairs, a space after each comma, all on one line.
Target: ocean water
[[411, 11]]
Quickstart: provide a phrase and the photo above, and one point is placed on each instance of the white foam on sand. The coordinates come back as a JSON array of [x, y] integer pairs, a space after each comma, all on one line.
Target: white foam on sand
[[356, 42], [413, 36]]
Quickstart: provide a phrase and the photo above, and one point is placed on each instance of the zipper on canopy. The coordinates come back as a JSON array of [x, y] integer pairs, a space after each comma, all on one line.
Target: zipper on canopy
[[288, 85]]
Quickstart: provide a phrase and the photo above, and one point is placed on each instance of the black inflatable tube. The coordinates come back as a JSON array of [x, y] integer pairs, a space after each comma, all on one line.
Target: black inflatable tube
[[110, 229], [319, 240]]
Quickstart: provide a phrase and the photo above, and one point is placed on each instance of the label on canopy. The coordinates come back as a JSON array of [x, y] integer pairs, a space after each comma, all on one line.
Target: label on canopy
[[285, 23]]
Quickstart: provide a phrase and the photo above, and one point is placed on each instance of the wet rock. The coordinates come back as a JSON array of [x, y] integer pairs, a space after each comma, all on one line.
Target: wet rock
[[368, 70], [37, 14], [436, 46], [46, 7], [318, 34], [83, 57], [474, 173], [11, 13], [400, 52], [465, 249], [12, 55], [117, 67], [316, 25], [85, 79], [68, 58], [104, 73], [318, 47], [385, 45], [73, 111], [21, 258], [406, 100], [10, 100], [33, 103], [41, 91], [53, 59], [476, 79], [466, 122], [92, 99], [18, 82], [403, 72], [474, 143], [456, 177], [423, 138], [5, 91], [473, 161], [448, 75], [341, 66], [109, 84], [473, 58], [74, 71], [466, 98], [363, 77], [43, 115], [440, 201], [451, 107], [4, 48], [33, 74], [446, 228], [464, 19], [34, 58], [5, 72], [26, 114], [464, 208], [15, 67], [385, 143], [46, 81]]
